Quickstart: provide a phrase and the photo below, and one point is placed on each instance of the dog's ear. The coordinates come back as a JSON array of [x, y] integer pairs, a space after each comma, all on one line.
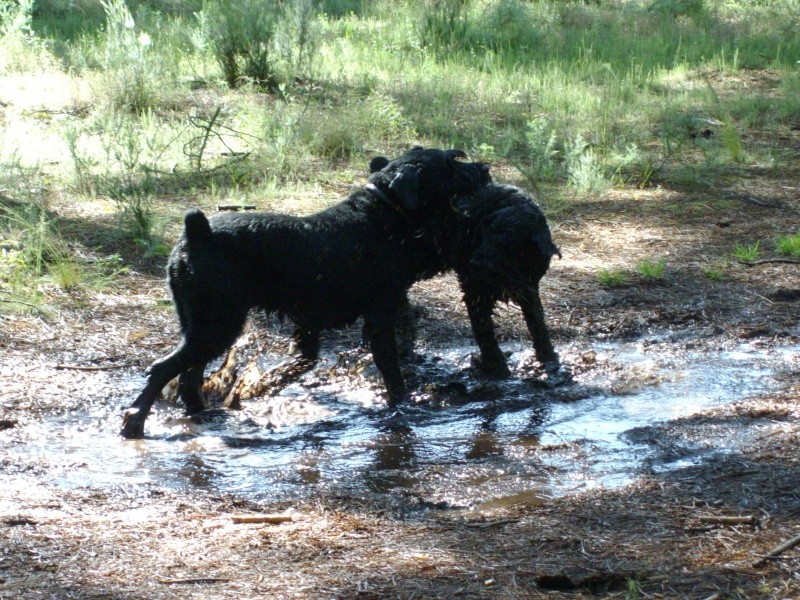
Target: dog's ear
[[377, 163], [405, 185]]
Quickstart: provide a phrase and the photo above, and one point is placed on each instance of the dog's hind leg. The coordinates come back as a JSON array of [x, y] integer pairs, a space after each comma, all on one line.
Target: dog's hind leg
[[159, 374], [204, 339], [479, 308], [533, 311], [382, 343], [190, 383]]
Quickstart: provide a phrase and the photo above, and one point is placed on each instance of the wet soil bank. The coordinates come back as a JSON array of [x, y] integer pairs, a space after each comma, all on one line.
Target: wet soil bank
[[669, 468]]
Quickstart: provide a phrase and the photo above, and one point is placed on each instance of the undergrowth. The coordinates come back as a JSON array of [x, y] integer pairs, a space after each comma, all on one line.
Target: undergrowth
[[193, 101]]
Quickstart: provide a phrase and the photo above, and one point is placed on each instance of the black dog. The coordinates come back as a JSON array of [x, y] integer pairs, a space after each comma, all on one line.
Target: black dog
[[500, 248], [499, 245], [357, 258]]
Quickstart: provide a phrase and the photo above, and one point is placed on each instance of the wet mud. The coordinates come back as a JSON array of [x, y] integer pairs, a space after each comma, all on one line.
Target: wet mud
[[462, 442]]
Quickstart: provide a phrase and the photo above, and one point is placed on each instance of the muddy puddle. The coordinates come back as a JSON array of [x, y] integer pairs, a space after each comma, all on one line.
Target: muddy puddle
[[465, 444]]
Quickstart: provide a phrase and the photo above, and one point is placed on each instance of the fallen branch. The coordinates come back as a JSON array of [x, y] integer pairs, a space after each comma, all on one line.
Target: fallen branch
[[221, 207], [204, 580], [753, 263], [63, 367], [272, 519], [778, 550], [487, 524], [28, 304], [727, 520]]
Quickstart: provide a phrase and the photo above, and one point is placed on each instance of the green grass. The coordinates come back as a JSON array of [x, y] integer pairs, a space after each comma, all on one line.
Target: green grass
[[789, 245], [611, 278], [183, 103], [653, 270], [715, 271], [746, 252]]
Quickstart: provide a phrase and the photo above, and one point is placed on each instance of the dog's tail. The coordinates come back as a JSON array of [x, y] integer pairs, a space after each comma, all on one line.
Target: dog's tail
[[198, 231]]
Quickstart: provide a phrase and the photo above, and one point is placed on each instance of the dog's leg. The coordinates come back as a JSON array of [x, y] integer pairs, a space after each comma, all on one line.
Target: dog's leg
[[479, 308], [189, 384], [204, 339], [405, 330], [533, 311], [158, 375], [382, 343]]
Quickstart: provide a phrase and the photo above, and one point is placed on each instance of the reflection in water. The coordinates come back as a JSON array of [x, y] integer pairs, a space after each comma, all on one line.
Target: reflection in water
[[197, 473], [484, 443], [466, 442]]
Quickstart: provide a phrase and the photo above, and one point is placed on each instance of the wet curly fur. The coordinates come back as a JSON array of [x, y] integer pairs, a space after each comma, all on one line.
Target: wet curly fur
[[355, 259], [499, 244], [500, 248]]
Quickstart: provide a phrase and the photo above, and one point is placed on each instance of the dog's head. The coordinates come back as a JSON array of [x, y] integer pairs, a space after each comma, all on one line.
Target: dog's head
[[424, 177], [511, 243]]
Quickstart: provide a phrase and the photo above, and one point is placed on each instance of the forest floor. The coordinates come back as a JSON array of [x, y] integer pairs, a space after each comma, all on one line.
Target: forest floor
[[701, 529]]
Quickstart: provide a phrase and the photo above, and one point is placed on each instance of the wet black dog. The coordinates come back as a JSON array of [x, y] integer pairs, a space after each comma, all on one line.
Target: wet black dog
[[499, 244], [357, 258], [500, 248]]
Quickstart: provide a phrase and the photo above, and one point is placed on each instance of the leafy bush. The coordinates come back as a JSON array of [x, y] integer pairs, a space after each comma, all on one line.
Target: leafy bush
[[444, 24], [20, 49], [266, 43], [584, 169], [357, 126], [130, 77], [515, 26], [789, 245], [541, 142]]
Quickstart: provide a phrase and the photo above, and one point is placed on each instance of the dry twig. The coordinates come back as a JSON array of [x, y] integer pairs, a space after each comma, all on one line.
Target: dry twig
[[272, 519], [194, 580], [778, 550], [727, 519]]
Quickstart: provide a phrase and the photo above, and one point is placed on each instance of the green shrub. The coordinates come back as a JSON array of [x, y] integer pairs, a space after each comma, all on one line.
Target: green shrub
[[789, 245], [541, 141], [356, 127], [611, 277], [241, 35], [746, 252], [651, 269], [584, 169], [130, 75], [514, 26], [20, 49], [444, 24], [265, 43]]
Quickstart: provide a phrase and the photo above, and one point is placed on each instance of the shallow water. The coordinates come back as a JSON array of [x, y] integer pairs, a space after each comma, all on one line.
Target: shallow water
[[466, 443]]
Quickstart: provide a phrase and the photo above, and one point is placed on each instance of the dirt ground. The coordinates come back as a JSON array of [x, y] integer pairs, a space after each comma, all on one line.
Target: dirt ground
[[702, 531]]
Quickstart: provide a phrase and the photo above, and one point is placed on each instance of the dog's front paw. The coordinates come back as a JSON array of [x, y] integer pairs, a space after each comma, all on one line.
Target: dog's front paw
[[132, 425], [558, 373]]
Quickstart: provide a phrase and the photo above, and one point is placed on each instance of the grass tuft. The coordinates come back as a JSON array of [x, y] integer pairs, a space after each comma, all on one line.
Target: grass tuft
[[611, 278], [789, 245], [650, 269], [746, 252]]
